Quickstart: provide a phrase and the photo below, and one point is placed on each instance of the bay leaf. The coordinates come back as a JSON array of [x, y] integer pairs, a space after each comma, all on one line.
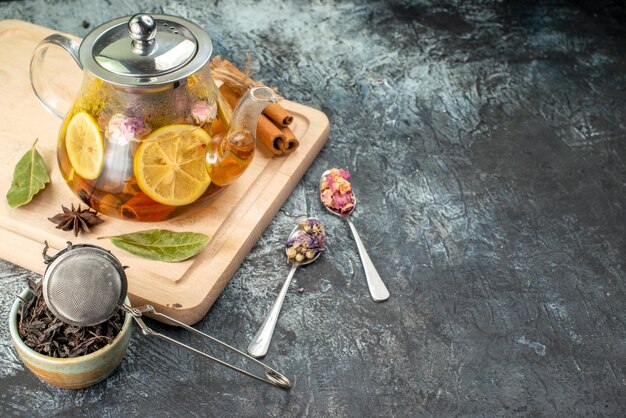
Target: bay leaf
[[30, 176], [161, 244]]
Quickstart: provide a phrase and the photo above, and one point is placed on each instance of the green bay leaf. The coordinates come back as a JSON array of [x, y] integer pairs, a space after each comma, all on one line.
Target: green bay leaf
[[29, 177], [161, 244]]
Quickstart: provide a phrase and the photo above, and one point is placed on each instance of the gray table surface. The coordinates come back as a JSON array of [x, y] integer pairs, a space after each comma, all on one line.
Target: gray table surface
[[487, 145]]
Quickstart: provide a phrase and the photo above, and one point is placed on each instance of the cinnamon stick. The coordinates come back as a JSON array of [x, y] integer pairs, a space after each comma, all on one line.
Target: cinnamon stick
[[231, 68], [270, 135], [274, 111], [278, 114], [290, 143]]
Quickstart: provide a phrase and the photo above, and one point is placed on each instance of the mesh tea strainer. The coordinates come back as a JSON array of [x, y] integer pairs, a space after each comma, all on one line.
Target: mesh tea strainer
[[85, 285]]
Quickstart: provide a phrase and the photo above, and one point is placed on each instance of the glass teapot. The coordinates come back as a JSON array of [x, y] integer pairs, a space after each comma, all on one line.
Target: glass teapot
[[148, 136]]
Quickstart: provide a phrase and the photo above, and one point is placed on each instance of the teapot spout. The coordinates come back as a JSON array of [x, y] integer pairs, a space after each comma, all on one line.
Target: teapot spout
[[236, 149], [249, 109]]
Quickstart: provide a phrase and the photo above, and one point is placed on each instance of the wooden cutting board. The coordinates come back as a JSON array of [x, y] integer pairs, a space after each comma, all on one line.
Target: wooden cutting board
[[235, 220]]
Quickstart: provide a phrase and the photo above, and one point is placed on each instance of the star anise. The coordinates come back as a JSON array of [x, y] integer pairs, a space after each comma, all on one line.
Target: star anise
[[77, 220]]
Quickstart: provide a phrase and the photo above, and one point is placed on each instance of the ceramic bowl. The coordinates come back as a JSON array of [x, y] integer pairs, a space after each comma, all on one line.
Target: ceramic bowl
[[71, 373]]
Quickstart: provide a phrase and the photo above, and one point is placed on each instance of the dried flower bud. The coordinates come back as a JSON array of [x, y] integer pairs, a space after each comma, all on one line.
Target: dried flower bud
[[121, 129], [202, 112], [307, 243]]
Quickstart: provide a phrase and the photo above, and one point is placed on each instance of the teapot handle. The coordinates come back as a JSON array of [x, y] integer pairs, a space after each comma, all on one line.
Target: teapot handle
[[52, 100]]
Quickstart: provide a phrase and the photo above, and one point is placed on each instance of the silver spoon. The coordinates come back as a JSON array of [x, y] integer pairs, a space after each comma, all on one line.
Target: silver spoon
[[377, 288], [260, 343]]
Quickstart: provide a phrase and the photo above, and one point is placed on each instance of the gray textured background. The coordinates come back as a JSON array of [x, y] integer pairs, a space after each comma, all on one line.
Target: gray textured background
[[487, 145]]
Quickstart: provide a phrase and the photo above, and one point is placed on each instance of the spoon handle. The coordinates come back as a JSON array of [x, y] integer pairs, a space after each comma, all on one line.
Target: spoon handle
[[378, 290], [261, 342]]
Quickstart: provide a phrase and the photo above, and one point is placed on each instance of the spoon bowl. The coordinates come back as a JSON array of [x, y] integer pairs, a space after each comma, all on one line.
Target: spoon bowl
[[377, 288]]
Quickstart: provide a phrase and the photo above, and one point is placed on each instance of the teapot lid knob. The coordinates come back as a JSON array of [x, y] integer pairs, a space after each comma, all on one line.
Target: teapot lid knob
[[142, 28]]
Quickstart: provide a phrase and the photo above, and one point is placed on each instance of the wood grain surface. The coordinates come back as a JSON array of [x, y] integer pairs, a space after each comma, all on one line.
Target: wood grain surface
[[234, 220]]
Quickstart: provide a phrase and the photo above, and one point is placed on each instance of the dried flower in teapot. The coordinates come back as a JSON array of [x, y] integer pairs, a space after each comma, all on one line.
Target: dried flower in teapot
[[202, 112], [123, 129]]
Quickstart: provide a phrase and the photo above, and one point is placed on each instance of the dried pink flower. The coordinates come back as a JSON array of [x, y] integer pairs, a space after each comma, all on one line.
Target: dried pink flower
[[202, 112], [336, 191], [122, 129]]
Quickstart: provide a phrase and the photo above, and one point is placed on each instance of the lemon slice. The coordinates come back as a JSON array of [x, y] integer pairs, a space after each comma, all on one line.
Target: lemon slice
[[170, 164], [85, 146]]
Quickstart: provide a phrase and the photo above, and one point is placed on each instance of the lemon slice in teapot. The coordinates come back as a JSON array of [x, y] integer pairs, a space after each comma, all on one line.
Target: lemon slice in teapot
[[84, 145], [170, 164]]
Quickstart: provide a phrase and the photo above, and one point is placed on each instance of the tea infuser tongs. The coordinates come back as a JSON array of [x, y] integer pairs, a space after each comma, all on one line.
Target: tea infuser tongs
[[85, 285]]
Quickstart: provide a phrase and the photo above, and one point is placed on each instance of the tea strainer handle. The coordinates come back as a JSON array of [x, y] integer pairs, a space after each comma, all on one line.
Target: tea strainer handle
[[270, 376], [56, 102]]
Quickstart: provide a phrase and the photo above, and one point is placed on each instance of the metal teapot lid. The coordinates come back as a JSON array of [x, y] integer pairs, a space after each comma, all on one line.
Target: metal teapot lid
[[145, 50]]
